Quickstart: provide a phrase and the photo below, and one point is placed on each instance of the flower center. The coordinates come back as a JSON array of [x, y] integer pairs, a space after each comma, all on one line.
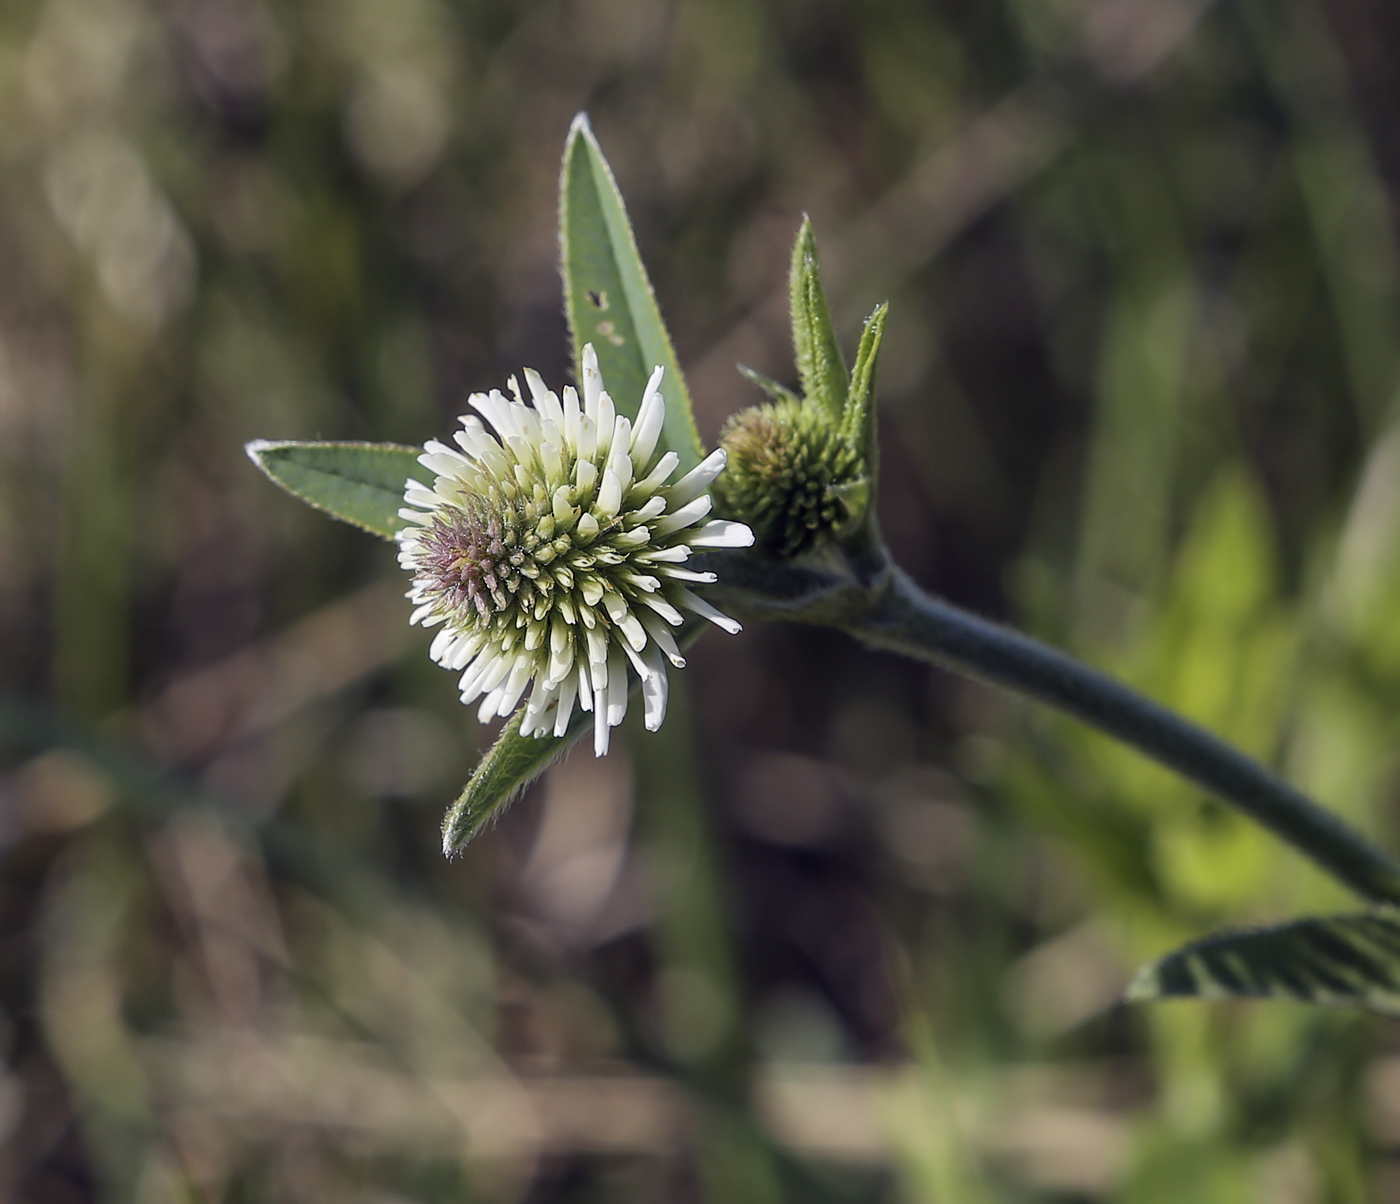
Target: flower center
[[469, 559]]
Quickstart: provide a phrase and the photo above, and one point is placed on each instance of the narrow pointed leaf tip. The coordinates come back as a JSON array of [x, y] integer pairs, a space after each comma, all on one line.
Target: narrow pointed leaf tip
[[358, 483], [820, 365], [1349, 960], [511, 764], [608, 296]]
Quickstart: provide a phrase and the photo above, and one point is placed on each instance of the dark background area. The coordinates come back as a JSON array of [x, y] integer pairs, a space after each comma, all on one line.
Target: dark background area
[[848, 928]]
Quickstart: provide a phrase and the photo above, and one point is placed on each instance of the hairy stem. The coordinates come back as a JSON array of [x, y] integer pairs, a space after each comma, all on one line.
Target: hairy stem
[[905, 619]]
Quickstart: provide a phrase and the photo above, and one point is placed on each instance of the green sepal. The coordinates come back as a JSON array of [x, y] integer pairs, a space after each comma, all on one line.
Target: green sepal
[[1351, 960], [608, 297], [358, 483], [770, 386], [820, 364]]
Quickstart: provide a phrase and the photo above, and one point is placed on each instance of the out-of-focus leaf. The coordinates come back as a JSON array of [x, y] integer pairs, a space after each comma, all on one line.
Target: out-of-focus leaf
[[358, 483], [1344, 959], [512, 763], [820, 364], [608, 296]]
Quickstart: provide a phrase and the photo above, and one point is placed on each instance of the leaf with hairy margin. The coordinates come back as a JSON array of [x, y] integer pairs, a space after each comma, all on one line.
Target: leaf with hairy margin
[[1344, 959], [510, 765], [608, 296], [358, 483], [820, 365]]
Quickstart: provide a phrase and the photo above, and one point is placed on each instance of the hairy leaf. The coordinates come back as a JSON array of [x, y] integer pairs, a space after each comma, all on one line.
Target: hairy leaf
[[515, 761], [1344, 959], [608, 297], [359, 483], [510, 765], [820, 365]]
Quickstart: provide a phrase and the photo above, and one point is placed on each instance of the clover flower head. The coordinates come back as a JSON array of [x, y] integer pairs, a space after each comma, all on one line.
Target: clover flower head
[[552, 551]]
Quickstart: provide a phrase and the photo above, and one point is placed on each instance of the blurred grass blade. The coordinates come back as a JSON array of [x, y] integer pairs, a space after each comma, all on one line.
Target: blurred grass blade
[[608, 296], [820, 364], [1346, 959], [512, 763], [358, 483]]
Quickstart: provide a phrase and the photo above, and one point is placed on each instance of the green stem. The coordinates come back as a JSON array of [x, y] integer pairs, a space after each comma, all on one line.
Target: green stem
[[905, 619]]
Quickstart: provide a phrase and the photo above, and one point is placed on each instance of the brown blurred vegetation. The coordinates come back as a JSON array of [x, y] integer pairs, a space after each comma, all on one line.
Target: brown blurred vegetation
[[847, 929]]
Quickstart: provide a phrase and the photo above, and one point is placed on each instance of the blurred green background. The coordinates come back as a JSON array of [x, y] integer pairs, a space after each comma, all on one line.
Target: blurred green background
[[846, 929]]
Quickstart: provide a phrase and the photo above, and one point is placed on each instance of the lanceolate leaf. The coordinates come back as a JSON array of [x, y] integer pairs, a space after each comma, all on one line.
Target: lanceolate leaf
[[513, 762], [1346, 959], [608, 296], [820, 365], [359, 483], [858, 422]]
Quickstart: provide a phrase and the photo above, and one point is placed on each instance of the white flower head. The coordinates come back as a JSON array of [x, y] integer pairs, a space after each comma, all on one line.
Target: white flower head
[[553, 552]]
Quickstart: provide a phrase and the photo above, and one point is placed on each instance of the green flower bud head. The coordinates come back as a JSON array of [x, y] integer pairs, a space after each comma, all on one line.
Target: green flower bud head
[[793, 476]]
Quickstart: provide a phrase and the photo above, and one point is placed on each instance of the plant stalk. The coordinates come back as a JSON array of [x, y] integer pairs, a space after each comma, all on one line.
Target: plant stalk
[[904, 619]]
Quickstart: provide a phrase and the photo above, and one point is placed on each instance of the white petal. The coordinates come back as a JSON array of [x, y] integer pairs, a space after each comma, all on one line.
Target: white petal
[[535, 722], [487, 710], [640, 665], [618, 459], [692, 512], [657, 476], [706, 611], [606, 420], [510, 692], [631, 627], [600, 726], [609, 495], [592, 381], [586, 441], [721, 533], [617, 686], [572, 413], [663, 637], [663, 608], [654, 690], [466, 647], [546, 402], [651, 417], [698, 479], [676, 574], [568, 691]]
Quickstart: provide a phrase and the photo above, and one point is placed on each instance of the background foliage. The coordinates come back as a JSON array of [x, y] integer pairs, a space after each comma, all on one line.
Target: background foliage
[[846, 929]]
